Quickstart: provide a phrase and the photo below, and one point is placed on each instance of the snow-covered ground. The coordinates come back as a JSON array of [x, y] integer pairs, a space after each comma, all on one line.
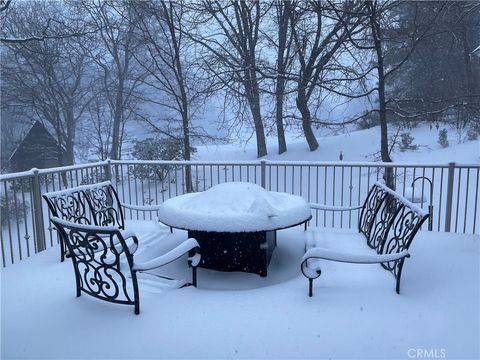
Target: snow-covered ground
[[359, 145], [354, 313]]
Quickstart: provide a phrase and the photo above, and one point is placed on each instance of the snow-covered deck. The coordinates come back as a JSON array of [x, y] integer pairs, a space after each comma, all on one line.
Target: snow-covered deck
[[354, 313]]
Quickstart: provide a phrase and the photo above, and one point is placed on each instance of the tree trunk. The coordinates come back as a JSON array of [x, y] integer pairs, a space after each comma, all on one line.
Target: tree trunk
[[384, 148], [302, 106], [117, 121], [253, 97], [259, 131], [186, 153], [280, 84], [282, 144]]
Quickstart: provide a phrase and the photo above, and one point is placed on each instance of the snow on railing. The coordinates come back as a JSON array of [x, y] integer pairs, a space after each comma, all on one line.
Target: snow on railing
[[25, 218]]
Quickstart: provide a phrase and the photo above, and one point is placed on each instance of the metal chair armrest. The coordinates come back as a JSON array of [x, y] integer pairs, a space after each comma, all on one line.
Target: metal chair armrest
[[172, 255], [333, 208]]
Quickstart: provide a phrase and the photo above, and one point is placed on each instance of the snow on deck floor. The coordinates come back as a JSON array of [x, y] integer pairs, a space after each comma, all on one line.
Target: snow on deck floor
[[354, 313]]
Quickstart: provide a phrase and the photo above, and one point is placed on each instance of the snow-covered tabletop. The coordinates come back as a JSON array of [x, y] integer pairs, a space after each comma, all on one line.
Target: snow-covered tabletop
[[234, 207]]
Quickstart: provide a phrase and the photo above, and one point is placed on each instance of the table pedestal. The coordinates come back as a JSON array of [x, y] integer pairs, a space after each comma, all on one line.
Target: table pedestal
[[242, 251]]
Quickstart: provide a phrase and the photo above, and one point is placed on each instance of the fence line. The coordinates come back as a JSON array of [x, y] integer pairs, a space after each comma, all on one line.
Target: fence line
[[26, 229]]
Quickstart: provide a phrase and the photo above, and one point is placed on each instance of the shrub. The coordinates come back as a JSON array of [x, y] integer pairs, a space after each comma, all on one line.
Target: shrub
[[11, 210], [406, 142], [443, 138], [368, 122], [473, 131], [156, 149]]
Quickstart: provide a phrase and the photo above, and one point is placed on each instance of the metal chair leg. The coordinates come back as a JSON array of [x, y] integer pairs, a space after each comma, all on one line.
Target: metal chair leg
[[194, 276]]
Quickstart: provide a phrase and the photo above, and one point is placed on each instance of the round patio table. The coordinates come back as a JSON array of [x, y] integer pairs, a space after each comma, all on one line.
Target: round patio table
[[235, 223]]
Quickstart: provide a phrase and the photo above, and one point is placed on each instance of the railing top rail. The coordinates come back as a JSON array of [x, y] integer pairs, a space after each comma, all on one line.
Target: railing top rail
[[292, 163], [184, 162], [369, 164], [29, 173]]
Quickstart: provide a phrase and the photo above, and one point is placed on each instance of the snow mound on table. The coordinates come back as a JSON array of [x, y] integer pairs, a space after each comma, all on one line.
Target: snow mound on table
[[234, 207]]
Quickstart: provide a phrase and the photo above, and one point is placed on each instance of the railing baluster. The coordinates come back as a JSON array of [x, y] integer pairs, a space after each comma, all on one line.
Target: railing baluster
[[8, 214], [433, 193], [135, 186], [32, 215], [162, 177], [423, 188], [142, 178], [341, 197], [350, 198], [301, 180], [204, 178], [26, 236], [129, 189], [333, 193], [466, 202], [17, 209], [293, 179], [448, 210], [325, 195], [308, 184], [440, 196], [149, 186], [359, 191], [413, 185], [476, 202], [458, 196]]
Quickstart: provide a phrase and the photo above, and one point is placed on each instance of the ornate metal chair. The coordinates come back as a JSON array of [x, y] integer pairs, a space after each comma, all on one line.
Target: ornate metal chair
[[388, 222], [94, 204], [104, 262]]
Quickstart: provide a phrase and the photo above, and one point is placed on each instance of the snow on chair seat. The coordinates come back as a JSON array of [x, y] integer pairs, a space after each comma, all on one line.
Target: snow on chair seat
[[105, 266], [388, 222]]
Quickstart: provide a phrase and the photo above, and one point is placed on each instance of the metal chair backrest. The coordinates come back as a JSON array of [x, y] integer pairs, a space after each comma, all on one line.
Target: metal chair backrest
[[70, 204], [105, 205], [376, 196], [102, 262], [403, 228], [382, 221]]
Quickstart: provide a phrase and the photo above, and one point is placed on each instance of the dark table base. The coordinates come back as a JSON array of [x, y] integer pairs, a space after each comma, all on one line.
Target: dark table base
[[244, 251]]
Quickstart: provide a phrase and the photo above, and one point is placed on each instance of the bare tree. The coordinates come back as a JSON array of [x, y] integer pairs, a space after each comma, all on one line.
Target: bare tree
[[284, 60], [114, 23], [230, 37], [172, 71], [52, 28], [47, 78], [378, 23], [319, 30]]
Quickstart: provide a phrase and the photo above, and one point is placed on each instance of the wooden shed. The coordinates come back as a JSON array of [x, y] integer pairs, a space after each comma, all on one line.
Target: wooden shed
[[38, 149]]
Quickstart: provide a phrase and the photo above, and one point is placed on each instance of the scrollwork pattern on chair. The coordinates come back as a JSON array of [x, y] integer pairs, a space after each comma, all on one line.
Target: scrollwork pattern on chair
[[106, 207], [97, 259], [385, 215], [400, 235], [375, 198], [70, 207]]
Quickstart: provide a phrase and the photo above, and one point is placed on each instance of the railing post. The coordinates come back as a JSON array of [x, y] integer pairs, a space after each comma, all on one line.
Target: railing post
[[107, 170], [263, 168], [448, 208], [38, 212]]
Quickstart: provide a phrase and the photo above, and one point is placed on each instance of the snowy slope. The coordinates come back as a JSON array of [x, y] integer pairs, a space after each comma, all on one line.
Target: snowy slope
[[360, 145]]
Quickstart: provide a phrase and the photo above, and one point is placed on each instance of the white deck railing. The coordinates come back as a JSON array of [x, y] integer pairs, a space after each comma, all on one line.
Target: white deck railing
[[26, 230]]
